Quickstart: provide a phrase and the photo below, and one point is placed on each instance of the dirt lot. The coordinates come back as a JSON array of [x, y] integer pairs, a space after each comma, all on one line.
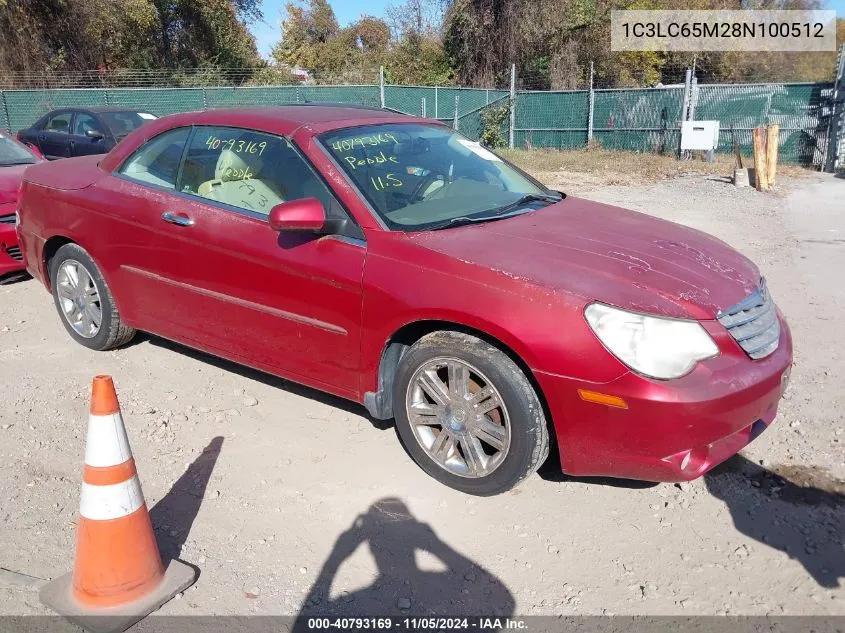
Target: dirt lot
[[272, 489]]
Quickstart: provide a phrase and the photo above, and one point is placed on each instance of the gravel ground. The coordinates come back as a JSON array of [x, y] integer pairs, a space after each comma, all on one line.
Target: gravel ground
[[291, 500]]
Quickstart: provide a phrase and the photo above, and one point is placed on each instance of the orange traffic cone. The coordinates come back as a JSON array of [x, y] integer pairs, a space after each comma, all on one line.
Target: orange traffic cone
[[118, 576]]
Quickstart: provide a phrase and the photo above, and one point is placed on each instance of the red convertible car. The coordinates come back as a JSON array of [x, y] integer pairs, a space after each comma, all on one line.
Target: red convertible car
[[390, 261], [15, 157]]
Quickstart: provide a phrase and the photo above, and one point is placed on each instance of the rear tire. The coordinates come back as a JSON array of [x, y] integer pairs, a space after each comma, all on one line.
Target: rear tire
[[84, 301], [495, 429]]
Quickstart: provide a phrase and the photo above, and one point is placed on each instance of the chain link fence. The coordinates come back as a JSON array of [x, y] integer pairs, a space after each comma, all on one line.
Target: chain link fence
[[631, 119], [799, 110], [551, 119]]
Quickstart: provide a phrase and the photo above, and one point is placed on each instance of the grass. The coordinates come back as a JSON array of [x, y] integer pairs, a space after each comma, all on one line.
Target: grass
[[612, 167]]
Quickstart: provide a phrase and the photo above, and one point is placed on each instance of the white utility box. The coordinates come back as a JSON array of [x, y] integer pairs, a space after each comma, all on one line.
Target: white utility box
[[699, 135]]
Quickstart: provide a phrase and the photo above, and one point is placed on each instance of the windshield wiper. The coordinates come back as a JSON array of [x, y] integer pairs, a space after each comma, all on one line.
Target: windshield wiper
[[531, 197], [501, 213], [464, 220]]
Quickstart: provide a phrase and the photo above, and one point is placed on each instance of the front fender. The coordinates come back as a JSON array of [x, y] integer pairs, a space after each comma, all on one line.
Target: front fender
[[546, 330]]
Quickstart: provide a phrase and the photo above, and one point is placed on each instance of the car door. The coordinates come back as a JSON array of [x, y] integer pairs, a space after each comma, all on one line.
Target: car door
[[29, 136], [88, 135], [135, 245], [288, 303], [54, 136]]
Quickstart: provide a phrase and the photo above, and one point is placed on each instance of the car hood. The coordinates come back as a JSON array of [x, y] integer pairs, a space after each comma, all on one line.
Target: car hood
[[10, 180], [598, 252]]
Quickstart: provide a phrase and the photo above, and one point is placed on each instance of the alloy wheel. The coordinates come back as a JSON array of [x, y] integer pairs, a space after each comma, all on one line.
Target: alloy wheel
[[458, 417], [79, 298]]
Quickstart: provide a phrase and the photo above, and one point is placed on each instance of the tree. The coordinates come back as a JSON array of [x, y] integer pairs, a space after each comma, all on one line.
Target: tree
[[313, 40], [417, 55], [116, 35], [553, 42], [419, 61], [201, 32], [421, 17], [306, 30], [372, 35], [78, 35]]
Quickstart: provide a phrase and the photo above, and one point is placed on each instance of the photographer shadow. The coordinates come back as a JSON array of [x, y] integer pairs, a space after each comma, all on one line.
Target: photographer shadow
[[459, 587], [782, 510]]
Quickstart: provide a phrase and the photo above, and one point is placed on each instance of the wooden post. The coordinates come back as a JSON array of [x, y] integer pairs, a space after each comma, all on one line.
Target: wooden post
[[761, 183], [772, 132]]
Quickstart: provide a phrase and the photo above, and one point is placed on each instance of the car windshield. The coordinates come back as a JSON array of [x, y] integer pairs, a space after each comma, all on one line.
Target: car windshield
[[424, 176], [13, 154], [122, 123]]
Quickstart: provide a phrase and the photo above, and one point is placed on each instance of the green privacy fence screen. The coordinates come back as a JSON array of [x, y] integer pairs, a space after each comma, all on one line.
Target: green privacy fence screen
[[551, 119], [801, 110], [641, 120], [638, 120]]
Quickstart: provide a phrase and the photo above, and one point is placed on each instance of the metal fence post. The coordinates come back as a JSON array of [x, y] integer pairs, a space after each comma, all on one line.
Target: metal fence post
[[592, 107], [204, 99], [422, 107], [512, 132], [436, 103], [687, 96], [106, 96], [7, 122], [685, 105], [381, 84], [693, 97], [836, 123], [455, 119]]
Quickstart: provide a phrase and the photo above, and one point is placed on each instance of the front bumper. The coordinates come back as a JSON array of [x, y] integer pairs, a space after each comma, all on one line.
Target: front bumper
[[673, 430], [11, 255]]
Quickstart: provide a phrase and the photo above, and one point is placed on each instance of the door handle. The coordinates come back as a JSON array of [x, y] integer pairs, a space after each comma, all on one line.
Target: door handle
[[180, 220]]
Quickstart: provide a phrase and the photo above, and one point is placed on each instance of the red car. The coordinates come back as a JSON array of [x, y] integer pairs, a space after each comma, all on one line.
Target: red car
[[15, 157], [390, 261]]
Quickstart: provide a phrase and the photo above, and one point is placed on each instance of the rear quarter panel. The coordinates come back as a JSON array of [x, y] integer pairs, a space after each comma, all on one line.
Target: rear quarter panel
[[53, 204]]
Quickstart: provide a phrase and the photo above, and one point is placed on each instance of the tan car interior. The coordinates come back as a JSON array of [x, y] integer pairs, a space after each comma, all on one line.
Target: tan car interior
[[236, 182]]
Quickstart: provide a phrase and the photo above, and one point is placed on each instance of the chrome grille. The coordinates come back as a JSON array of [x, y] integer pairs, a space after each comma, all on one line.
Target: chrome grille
[[753, 323], [15, 252], [7, 219]]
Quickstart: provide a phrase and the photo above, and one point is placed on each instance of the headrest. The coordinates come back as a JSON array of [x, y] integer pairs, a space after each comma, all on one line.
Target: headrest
[[237, 166]]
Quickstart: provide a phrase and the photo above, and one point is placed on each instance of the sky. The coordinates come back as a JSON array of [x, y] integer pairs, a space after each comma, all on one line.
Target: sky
[[267, 33]]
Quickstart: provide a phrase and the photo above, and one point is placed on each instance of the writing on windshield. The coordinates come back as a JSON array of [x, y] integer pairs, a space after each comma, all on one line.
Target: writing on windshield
[[416, 176]]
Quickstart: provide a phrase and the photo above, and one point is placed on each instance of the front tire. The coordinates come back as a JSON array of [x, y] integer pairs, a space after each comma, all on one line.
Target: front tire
[[468, 415], [84, 301]]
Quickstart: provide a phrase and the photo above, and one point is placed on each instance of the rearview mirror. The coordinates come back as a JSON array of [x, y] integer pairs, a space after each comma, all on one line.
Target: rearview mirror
[[94, 134], [306, 214]]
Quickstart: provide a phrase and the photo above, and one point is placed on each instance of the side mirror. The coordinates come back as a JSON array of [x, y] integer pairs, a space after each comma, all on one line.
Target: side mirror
[[94, 134], [306, 214]]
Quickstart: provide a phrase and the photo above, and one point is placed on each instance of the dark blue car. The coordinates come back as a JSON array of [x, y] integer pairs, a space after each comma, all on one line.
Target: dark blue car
[[82, 131]]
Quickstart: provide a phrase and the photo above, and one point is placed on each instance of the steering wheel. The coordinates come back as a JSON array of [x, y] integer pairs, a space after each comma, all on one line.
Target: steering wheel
[[419, 192]]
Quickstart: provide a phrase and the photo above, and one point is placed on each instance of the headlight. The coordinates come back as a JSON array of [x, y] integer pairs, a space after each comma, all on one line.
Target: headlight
[[654, 346]]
